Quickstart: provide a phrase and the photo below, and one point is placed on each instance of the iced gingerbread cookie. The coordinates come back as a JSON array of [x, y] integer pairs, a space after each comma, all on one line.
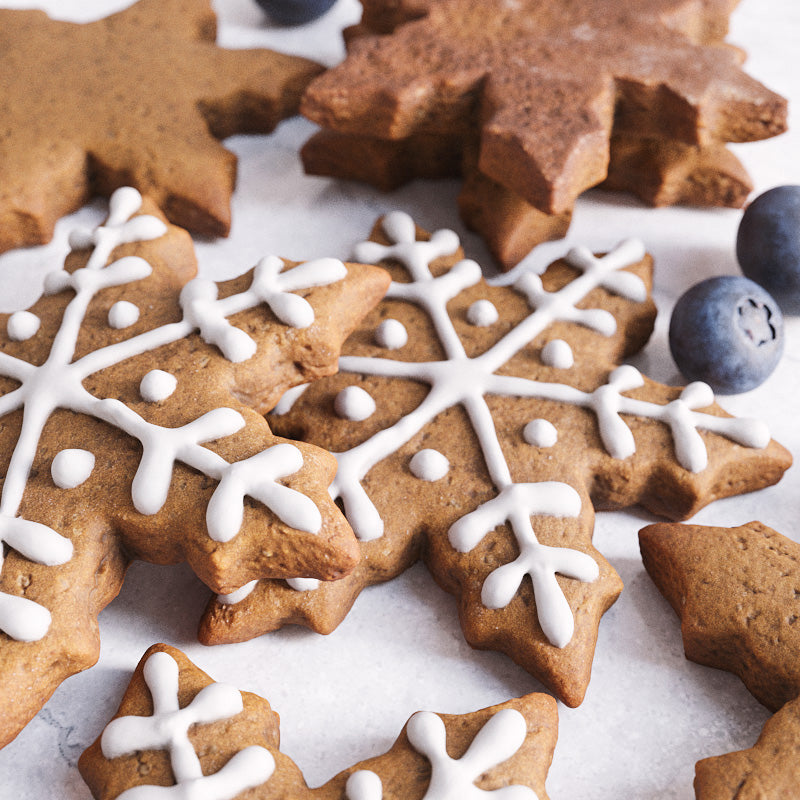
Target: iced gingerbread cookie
[[138, 98], [478, 425], [132, 398], [553, 98], [737, 593], [177, 732]]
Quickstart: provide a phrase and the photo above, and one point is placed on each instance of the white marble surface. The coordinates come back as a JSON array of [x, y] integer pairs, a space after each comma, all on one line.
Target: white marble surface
[[649, 714]]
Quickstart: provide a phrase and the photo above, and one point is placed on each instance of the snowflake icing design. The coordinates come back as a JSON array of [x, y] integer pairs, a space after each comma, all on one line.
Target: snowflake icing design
[[57, 384], [459, 379]]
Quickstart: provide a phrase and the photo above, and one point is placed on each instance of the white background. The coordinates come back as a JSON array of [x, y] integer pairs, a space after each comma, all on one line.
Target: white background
[[649, 714]]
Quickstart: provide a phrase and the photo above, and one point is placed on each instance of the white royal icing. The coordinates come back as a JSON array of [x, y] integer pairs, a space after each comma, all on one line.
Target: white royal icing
[[482, 313], [289, 398], [123, 314], [454, 779], [71, 468], [363, 784], [391, 334], [540, 433], [168, 729], [157, 385], [429, 465], [354, 403], [557, 353], [58, 384], [22, 325], [458, 379], [237, 595]]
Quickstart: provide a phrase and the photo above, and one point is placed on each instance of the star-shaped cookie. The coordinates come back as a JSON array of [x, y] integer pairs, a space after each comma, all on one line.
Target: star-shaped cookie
[[478, 425], [177, 728], [737, 593], [132, 398], [539, 89], [769, 769], [138, 98]]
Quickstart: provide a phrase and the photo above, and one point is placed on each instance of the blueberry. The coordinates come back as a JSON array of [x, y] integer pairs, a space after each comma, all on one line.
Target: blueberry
[[728, 332], [295, 12], [768, 245]]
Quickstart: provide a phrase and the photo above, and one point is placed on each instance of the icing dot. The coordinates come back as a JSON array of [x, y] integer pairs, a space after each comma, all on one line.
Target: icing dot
[[482, 313], [122, 314], [70, 468], [391, 334], [157, 385], [429, 465], [354, 403], [557, 353], [363, 784], [540, 433], [22, 325]]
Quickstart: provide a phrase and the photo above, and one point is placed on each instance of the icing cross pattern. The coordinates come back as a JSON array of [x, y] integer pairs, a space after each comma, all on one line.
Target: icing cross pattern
[[168, 729], [459, 379], [454, 779], [57, 384]]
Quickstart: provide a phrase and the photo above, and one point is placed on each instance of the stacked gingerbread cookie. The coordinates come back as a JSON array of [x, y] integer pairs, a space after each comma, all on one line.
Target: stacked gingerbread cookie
[[535, 102]]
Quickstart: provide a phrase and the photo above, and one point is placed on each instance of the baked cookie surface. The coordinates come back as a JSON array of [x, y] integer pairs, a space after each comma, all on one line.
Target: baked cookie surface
[[478, 426], [140, 98], [132, 402]]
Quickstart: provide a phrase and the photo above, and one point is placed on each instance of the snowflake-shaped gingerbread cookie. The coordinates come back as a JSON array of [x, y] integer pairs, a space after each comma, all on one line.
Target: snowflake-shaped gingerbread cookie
[[535, 101], [140, 97], [131, 400], [479, 425], [179, 734]]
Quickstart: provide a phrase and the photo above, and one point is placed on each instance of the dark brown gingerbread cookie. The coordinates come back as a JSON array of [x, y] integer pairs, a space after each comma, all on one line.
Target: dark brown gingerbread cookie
[[540, 89]]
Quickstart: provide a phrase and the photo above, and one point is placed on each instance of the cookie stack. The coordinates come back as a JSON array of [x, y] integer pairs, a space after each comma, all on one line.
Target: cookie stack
[[533, 102]]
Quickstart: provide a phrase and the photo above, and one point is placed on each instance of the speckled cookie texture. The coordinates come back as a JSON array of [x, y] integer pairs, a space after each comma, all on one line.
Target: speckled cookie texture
[[132, 397], [175, 727], [737, 593], [552, 98], [478, 426], [139, 98]]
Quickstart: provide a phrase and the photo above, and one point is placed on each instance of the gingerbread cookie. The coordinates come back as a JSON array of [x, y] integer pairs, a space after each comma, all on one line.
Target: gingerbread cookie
[[479, 425], [769, 769], [660, 173], [177, 728], [132, 402], [737, 593], [540, 89], [140, 97]]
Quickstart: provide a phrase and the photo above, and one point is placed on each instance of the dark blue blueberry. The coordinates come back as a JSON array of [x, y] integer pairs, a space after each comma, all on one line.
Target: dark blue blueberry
[[295, 12], [768, 245], [728, 332]]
